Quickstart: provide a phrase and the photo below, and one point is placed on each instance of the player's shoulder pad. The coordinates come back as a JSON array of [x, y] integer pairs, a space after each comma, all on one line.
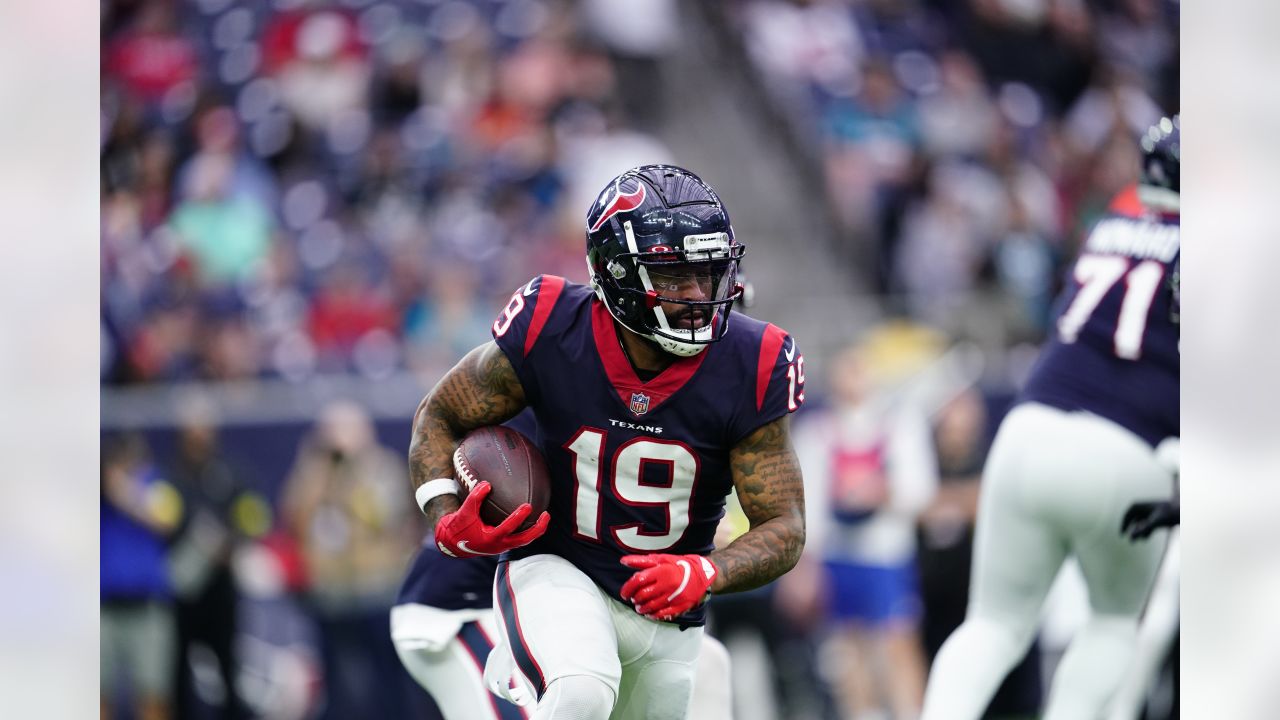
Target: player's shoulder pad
[[779, 366], [526, 313]]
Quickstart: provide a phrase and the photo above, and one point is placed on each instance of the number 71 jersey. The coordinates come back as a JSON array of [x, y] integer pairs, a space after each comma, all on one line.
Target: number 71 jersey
[[637, 466], [1115, 352]]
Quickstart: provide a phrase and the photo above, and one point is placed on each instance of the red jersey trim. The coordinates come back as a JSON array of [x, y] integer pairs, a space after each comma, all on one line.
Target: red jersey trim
[[623, 377], [1126, 203], [548, 292], [770, 344]]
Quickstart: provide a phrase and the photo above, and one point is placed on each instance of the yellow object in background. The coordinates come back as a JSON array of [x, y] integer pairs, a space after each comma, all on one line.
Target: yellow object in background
[[163, 503], [251, 515]]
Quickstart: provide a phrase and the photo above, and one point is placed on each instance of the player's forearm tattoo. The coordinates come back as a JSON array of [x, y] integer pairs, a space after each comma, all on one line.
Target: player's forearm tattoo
[[767, 475], [482, 389]]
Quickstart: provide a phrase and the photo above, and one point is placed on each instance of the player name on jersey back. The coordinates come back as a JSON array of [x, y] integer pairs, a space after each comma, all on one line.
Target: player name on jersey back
[[1135, 238]]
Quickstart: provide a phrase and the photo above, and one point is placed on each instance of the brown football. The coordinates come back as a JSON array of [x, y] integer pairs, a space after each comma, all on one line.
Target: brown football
[[510, 463]]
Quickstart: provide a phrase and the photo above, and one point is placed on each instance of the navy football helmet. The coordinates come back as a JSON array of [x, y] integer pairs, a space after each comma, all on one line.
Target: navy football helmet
[[656, 235], [1161, 152]]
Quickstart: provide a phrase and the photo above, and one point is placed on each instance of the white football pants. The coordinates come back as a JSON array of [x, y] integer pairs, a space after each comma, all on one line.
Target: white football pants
[[1056, 483], [445, 652], [591, 657], [1155, 636]]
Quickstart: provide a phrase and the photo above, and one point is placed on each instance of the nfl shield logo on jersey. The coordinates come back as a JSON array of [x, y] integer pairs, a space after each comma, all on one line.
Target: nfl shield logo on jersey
[[639, 403]]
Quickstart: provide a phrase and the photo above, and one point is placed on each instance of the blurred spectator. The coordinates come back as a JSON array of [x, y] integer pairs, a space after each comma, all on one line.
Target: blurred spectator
[[870, 470], [447, 322], [961, 435], [228, 350], [345, 503], [138, 512], [316, 54], [218, 135], [220, 511], [347, 310], [226, 235], [151, 58], [638, 36], [1116, 102], [942, 248], [164, 346], [874, 139], [960, 118], [804, 45], [1138, 35], [1026, 267]]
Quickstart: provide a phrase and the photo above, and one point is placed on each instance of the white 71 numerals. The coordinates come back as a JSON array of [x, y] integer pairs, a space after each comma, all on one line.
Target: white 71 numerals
[[589, 468], [1096, 275]]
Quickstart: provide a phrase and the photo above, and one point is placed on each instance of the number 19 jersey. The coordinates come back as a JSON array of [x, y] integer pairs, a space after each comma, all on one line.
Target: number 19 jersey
[[1115, 352], [637, 466]]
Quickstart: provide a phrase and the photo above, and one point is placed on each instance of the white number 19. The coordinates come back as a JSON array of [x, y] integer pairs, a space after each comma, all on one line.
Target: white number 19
[[589, 468]]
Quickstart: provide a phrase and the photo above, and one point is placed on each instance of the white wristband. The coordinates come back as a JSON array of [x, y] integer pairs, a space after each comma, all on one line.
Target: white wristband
[[432, 489]]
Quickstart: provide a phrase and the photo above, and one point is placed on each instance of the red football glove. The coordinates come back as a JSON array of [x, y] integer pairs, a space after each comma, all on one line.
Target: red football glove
[[462, 533], [667, 585]]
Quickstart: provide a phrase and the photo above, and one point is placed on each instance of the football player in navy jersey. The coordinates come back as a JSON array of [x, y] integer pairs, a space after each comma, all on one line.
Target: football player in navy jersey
[[652, 403], [1082, 445], [443, 628]]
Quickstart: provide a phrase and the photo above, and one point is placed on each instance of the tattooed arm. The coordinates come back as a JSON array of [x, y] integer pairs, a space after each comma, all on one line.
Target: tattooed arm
[[767, 476], [482, 389]]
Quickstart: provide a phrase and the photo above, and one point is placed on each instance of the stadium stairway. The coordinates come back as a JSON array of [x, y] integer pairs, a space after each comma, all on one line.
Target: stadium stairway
[[715, 124]]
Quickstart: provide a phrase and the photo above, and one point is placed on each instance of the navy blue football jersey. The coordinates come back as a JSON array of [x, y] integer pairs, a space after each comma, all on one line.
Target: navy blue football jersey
[[637, 466], [437, 580], [1115, 350]]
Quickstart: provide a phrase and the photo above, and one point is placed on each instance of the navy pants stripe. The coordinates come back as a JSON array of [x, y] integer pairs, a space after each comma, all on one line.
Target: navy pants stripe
[[479, 645], [511, 620]]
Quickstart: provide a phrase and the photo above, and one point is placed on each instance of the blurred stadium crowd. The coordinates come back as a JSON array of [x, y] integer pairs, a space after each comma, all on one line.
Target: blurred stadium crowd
[[968, 144], [294, 189]]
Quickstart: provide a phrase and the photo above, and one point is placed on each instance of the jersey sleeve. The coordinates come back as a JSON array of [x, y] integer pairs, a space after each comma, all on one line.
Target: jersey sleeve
[[777, 384], [520, 323]]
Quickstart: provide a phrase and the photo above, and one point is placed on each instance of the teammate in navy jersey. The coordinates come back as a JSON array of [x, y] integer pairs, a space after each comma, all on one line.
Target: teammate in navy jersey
[[652, 404], [1083, 444]]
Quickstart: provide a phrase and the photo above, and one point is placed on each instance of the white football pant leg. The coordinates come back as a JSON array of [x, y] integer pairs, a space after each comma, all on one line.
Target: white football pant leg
[[1155, 636], [1055, 483], [504, 679], [659, 664], [1119, 469], [556, 623], [712, 684], [575, 697], [453, 674], [1015, 559], [593, 656]]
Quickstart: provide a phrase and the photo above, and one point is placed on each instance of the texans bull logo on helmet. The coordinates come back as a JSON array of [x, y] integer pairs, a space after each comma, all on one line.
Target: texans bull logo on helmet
[[622, 201]]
